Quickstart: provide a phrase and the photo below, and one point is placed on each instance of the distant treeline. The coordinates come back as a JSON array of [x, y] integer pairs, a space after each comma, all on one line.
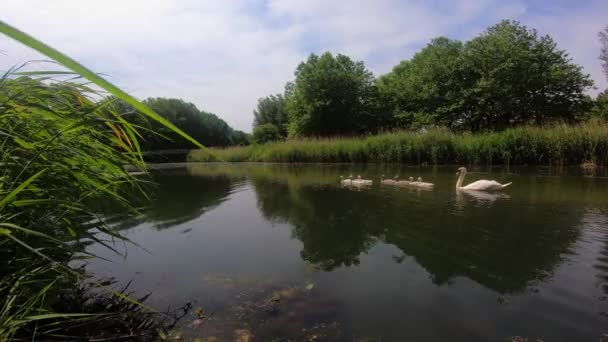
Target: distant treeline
[[205, 127], [505, 77]]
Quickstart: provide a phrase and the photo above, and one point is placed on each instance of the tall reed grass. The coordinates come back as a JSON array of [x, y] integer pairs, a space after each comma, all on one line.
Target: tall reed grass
[[558, 144], [62, 155]]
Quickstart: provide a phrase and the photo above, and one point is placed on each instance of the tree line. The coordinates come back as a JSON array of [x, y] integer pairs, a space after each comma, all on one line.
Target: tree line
[[505, 77], [207, 128]]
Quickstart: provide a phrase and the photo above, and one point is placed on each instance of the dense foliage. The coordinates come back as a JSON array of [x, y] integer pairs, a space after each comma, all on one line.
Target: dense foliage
[[558, 145], [271, 110], [331, 95], [505, 77], [206, 127], [425, 90], [600, 106], [62, 156], [265, 133]]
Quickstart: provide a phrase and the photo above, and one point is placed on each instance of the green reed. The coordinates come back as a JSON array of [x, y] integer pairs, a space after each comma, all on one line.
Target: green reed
[[62, 158], [550, 145]]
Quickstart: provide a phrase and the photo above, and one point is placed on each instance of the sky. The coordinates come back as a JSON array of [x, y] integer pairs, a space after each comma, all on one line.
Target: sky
[[222, 55]]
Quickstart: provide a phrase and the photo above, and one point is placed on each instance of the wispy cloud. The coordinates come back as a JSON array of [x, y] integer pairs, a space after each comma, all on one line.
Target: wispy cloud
[[223, 55]]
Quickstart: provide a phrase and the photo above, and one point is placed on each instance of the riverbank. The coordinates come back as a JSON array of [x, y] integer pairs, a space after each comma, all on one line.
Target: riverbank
[[555, 145]]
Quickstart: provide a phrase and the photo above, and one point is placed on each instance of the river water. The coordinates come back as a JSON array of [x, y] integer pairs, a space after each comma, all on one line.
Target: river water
[[286, 253]]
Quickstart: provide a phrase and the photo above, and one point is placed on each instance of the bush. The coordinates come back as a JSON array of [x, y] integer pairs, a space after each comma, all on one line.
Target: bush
[[266, 133]]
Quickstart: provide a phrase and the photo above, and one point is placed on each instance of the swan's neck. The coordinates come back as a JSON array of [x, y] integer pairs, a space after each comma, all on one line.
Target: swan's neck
[[460, 179]]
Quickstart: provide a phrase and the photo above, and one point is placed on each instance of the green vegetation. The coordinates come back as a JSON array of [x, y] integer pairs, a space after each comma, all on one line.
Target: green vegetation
[[272, 110], [558, 144], [508, 76], [62, 156], [331, 96], [205, 127], [265, 133]]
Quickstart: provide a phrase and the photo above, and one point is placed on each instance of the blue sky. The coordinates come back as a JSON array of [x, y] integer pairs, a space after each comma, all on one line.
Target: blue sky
[[224, 55]]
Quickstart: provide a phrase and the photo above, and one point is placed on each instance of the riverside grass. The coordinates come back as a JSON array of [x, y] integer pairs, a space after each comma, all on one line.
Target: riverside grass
[[62, 157], [530, 145]]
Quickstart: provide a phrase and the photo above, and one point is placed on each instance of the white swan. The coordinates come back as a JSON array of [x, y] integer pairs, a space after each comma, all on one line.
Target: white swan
[[422, 184], [388, 181], [361, 181], [481, 185], [345, 181], [406, 182]]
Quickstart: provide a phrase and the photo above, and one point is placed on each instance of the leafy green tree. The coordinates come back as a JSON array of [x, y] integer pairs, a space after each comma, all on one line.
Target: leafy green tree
[[505, 77], [331, 95], [426, 89], [509, 76], [265, 133], [240, 138], [272, 109], [206, 127], [600, 106]]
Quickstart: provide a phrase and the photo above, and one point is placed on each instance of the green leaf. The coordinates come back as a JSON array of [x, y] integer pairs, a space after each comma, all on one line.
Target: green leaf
[[57, 315], [4, 231], [20, 188], [131, 300], [71, 64]]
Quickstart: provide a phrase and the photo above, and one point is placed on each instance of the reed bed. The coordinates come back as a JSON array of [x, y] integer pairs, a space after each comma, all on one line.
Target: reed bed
[[529, 145]]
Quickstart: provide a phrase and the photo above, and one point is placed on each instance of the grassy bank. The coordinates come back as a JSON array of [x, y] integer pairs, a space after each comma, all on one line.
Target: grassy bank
[[559, 144]]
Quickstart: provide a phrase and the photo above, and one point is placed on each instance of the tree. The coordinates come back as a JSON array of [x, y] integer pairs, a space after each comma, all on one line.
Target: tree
[[272, 109], [600, 106], [205, 127], [265, 133], [510, 76], [426, 89], [604, 50], [331, 95]]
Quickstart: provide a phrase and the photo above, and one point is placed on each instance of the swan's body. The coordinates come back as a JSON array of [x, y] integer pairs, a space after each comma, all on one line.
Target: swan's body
[[419, 183], [484, 196], [345, 181], [406, 182], [480, 185], [361, 181], [388, 181]]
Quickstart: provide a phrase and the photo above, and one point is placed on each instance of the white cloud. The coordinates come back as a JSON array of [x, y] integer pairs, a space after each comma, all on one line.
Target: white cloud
[[223, 55]]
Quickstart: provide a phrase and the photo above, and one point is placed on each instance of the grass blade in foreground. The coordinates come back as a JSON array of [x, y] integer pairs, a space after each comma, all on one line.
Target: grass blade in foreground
[[71, 64]]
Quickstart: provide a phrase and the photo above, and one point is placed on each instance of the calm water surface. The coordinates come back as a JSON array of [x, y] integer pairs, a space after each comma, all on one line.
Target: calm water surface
[[289, 254]]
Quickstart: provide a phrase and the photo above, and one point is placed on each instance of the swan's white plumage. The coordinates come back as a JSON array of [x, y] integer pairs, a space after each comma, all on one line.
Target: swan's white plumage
[[345, 181], [388, 181], [480, 185], [361, 181]]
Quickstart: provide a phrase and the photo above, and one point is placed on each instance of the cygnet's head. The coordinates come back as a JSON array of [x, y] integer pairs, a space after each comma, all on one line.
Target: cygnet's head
[[420, 179], [358, 176], [411, 179]]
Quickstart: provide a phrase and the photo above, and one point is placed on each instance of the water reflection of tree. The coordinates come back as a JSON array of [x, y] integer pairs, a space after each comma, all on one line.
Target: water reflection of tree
[[335, 227], [177, 197], [492, 244], [183, 197]]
